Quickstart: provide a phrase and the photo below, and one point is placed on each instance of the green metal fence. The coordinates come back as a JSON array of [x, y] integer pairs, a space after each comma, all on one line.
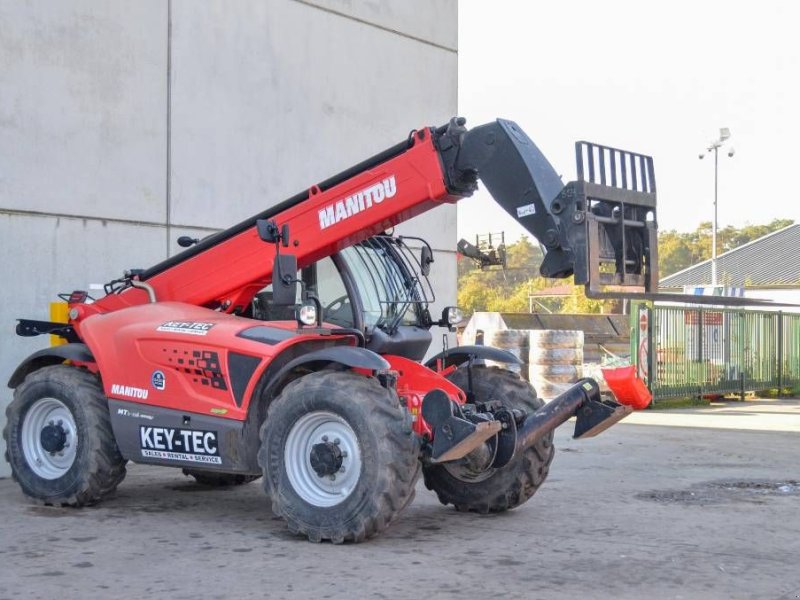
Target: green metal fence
[[682, 351]]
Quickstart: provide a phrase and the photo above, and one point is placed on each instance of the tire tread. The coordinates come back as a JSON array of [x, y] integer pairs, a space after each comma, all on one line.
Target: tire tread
[[530, 469], [106, 466], [397, 449]]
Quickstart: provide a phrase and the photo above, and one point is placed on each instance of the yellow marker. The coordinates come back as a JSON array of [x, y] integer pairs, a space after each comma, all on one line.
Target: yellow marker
[[59, 313], [219, 411]]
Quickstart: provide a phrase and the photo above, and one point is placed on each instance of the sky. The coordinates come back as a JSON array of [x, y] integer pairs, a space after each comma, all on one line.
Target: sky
[[658, 78]]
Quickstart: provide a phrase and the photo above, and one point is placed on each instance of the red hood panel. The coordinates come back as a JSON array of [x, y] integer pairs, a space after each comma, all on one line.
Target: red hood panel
[[175, 355]]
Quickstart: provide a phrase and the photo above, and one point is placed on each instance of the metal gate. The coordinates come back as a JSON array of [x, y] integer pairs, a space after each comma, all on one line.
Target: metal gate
[[682, 351]]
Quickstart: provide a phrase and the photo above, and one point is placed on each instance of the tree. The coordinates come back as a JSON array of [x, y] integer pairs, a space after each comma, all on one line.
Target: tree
[[510, 290], [677, 251]]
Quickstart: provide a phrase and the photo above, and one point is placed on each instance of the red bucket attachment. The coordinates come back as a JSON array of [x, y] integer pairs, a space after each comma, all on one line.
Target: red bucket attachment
[[627, 387]]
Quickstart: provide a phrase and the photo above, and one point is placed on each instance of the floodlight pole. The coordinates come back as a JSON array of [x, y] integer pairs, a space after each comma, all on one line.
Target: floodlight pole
[[724, 134], [714, 225]]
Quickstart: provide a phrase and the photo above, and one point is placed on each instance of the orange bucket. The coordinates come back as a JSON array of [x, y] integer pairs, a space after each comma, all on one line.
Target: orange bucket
[[627, 387]]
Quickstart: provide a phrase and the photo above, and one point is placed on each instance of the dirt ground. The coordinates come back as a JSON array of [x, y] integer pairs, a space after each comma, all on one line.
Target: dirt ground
[[699, 503]]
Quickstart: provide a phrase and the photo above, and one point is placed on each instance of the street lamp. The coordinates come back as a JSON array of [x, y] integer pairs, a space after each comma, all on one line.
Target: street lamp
[[724, 134]]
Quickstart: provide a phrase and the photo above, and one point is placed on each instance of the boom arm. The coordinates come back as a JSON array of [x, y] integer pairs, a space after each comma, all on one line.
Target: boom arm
[[578, 227]]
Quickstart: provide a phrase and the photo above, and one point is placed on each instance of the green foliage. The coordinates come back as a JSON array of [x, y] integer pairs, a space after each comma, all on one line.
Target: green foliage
[[677, 251], [673, 403], [520, 287]]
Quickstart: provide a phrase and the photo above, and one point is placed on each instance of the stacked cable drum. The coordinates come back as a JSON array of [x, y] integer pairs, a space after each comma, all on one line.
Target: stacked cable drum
[[515, 341], [555, 360]]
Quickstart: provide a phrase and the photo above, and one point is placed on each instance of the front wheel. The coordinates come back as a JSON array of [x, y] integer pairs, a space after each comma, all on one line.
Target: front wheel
[[59, 440], [339, 456], [494, 489]]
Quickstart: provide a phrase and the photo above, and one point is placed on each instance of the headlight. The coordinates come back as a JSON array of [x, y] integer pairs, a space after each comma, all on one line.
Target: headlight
[[307, 314]]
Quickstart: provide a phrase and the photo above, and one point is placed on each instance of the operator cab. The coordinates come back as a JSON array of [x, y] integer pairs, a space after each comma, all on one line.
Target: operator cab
[[379, 286]]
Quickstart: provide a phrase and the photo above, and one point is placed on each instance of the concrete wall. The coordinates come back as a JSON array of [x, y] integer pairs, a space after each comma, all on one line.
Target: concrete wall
[[126, 124]]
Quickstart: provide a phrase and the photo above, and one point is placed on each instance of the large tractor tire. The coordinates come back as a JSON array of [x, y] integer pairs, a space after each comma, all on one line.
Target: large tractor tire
[[496, 489], [59, 440], [215, 479], [339, 457]]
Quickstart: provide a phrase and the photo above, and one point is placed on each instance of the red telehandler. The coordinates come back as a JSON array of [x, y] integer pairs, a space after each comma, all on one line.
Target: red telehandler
[[289, 346]]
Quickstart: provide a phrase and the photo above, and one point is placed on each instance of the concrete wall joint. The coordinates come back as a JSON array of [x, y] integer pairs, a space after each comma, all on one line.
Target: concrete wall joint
[[52, 215], [377, 26], [168, 183]]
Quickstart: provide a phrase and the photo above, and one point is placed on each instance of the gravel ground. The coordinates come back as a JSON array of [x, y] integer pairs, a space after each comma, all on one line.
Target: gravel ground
[[691, 504]]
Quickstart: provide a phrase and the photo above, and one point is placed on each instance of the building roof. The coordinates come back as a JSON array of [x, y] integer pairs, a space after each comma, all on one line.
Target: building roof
[[771, 260]]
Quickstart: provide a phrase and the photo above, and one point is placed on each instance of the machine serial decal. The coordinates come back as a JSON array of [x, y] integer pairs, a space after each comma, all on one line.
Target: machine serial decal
[[189, 327], [526, 211], [128, 391], [124, 412], [158, 380], [358, 202], [169, 443]]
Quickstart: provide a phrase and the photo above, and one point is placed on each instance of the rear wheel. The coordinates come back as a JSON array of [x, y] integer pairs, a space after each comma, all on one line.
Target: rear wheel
[[214, 479], [59, 440], [494, 490], [339, 456]]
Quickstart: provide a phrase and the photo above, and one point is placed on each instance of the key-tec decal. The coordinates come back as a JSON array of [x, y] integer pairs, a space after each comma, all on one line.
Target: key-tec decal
[[358, 202], [170, 443], [188, 327]]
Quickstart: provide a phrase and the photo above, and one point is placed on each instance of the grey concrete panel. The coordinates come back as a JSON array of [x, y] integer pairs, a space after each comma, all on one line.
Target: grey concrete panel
[[43, 256], [269, 100], [437, 226], [434, 21], [83, 107]]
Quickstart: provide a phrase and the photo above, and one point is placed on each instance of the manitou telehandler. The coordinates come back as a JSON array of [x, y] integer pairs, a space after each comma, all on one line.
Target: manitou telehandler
[[289, 346]]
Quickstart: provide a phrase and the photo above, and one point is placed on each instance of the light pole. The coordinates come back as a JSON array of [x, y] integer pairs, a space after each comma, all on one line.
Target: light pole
[[724, 134]]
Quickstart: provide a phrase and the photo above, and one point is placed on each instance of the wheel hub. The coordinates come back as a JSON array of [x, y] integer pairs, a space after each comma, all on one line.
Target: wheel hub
[[322, 458], [49, 438], [326, 458], [53, 438]]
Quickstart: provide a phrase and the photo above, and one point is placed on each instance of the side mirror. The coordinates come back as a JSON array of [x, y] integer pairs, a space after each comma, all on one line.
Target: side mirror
[[425, 260], [269, 232], [284, 280], [451, 316]]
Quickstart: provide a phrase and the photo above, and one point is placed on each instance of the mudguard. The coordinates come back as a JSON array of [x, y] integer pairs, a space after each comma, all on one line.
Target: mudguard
[[49, 356], [359, 358], [461, 354], [347, 355]]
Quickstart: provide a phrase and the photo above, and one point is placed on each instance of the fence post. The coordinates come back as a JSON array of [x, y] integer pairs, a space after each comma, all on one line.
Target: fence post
[[652, 351], [780, 354], [699, 325], [743, 358]]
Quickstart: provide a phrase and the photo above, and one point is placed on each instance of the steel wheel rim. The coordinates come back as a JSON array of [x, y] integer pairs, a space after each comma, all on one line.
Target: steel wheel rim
[[44, 412], [314, 428], [464, 474]]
